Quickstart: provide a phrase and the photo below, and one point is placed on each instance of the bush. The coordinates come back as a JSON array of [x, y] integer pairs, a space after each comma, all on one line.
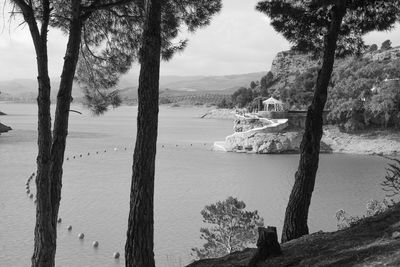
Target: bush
[[373, 208], [373, 48], [386, 45], [243, 96], [225, 103]]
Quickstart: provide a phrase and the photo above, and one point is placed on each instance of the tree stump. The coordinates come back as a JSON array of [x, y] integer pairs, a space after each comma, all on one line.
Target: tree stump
[[267, 245]]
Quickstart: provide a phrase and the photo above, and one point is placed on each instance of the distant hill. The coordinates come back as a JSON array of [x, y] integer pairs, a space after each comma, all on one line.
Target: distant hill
[[26, 89]]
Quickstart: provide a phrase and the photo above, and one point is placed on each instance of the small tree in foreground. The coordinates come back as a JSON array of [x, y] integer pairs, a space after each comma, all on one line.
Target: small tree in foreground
[[230, 228]]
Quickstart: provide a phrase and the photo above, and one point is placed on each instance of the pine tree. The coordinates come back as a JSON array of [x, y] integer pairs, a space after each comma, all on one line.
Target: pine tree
[[139, 247], [326, 28], [74, 17]]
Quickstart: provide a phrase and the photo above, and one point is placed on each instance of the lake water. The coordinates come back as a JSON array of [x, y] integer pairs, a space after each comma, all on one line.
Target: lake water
[[189, 175]]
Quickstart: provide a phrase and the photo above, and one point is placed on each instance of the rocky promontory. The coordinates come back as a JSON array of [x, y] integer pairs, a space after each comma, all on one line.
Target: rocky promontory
[[4, 128], [269, 143], [264, 136]]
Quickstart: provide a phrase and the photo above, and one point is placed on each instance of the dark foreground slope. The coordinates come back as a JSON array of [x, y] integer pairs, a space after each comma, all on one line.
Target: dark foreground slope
[[375, 241]]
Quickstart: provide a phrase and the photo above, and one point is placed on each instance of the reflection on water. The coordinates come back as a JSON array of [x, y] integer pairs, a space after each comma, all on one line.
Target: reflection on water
[[189, 175]]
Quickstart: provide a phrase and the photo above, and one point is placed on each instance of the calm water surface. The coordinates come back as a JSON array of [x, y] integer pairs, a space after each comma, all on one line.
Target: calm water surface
[[95, 196]]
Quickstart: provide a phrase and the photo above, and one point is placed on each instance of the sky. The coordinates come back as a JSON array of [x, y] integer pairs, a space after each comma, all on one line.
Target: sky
[[239, 40]]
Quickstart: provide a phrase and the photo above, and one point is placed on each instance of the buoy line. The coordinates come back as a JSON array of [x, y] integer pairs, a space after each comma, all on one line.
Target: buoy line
[[81, 236]]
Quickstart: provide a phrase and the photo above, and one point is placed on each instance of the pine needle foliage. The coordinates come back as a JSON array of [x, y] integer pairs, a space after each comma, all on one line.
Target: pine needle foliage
[[112, 43], [304, 23]]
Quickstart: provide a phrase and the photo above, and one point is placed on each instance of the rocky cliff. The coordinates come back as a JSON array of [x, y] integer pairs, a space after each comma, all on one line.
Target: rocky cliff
[[287, 65]]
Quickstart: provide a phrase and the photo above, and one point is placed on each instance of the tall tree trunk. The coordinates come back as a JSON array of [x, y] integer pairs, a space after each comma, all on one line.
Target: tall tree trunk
[[44, 251], [295, 224], [140, 235], [49, 175]]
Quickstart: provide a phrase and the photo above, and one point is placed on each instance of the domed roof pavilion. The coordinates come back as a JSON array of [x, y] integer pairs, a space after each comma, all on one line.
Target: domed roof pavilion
[[272, 104]]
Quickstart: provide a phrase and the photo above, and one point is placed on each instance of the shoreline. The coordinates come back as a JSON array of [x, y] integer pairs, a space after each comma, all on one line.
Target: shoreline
[[372, 142], [368, 142]]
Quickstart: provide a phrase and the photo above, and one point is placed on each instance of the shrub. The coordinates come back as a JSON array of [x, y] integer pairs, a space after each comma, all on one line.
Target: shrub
[[230, 228], [373, 208]]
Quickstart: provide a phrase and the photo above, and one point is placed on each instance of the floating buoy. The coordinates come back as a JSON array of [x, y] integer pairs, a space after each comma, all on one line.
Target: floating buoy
[[105, 151], [81, 236], [162, 145], [67, 158], [88, 153], [97, 152], [73, 156], [125, 148], [191, 144], [176, 145], [59, 220], [28, 191], [80, 155], [33, 174], [27, 187], [69, 228], [116, 255], [31, 195], [35, 201], [95, 244]]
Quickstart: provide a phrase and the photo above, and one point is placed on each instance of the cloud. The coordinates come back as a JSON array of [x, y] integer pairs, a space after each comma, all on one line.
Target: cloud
[[239, 40]]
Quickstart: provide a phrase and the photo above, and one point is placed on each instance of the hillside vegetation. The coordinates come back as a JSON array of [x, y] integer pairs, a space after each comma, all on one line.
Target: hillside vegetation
[[364, 89]]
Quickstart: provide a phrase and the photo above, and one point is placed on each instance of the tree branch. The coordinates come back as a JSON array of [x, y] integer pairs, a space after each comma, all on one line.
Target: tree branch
[[88, 10]]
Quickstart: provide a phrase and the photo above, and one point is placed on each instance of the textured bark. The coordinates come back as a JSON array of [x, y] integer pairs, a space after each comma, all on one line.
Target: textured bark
[[295, 224], [139, 248], [267, 246], [44, 247], [51, 147]]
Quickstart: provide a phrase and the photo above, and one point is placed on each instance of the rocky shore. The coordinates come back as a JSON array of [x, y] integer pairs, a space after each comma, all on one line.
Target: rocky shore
[[371, 142], [4, 128], [384, 143], [268, 143], [374, 241]]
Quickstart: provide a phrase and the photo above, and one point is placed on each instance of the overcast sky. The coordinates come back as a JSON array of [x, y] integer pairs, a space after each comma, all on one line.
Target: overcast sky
[[239, 40]]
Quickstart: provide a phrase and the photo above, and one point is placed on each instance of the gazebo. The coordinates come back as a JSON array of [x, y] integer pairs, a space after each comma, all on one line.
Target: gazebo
[[272, 104]]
